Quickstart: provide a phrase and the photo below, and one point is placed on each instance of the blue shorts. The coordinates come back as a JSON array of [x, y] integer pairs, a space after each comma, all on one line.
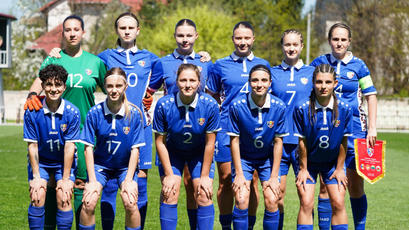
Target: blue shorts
[[325, 169], [222, 149], [46, 170], [103, 174], [263, 168], [145, 152], [194, 165], [290, 157]]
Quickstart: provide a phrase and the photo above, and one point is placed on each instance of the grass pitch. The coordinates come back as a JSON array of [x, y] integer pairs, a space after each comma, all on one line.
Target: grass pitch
[[387, 199]]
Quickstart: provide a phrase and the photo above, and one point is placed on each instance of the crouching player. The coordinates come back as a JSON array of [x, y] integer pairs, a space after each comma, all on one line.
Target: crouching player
[[51, 133], [323, 125], [112, 136], [256, 133]]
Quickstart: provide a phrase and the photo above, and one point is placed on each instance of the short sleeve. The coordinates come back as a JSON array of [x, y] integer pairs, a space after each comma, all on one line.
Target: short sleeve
[[213, 83], [282, 126], [213, 124], [316, 62], [104, 56], [30, 134], [101, 74], [88, 132], [138, 130], [298, 125], [159, 119], [365, 80], [73, 132], [233, 122], [157, 73]]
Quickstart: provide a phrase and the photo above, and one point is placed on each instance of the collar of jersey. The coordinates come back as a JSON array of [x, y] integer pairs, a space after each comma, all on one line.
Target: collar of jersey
[[133, 49], [236, 58], [177, 54], [121, 112], [348, 57], [179, 102], [253, 104], [298, 65], [329, 106], [60, 109]]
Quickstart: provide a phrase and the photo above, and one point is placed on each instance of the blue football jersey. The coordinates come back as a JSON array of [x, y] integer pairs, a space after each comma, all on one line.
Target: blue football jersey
[[52, 130], [229, 76], [293, 85], [186, 125], [324, 135], [354, 79], [257, 126], [115, 134], [140, 66], [171, 63]]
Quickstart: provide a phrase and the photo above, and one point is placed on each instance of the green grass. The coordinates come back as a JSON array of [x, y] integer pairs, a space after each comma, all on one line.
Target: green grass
[[387, 199]]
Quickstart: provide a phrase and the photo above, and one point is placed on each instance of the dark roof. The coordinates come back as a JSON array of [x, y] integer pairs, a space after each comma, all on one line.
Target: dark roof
[[49, 40], [7, 16]]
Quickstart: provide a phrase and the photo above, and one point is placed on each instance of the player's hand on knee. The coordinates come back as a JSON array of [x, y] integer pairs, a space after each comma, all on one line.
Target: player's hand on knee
[[66, 187], [301, 180], [274, 185], [129, 192], [91, 193], [169, 186], [342, 179], [55, 52], [240, 185], [38, 188], [33, 102], [205, 185]]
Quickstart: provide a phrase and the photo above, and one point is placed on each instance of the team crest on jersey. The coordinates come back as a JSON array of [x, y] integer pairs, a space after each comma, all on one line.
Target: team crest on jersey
[[88, 72], [304, 80], [200, 68], [337, 123], [63, 127], [141, 63], [350, 75], [370, 152], [201, 121], [126, 130], [270, 124]]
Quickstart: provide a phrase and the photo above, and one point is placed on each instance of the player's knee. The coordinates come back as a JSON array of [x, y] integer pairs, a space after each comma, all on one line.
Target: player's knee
[[337, 204], [242, 200], [307, 204], [89, 207], [202, 199]]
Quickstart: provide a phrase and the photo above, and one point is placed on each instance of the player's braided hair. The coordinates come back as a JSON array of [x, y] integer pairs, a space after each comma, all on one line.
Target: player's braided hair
[[323, 68], [291, 31], [119, 71]]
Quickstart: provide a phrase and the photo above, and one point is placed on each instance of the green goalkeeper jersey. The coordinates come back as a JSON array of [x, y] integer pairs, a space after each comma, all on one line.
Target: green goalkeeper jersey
[[84, 74]]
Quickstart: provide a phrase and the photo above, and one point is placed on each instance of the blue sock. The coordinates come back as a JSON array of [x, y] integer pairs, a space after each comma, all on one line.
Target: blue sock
[[129, 228], [252, 221], [205, 217], [281, 221], [108, 204], [192, 214], [305, 227], [64, 219], [82, 227], [339, 227], [324, 213], [142, 198], [271, 220], [225, 221], [36, 217], [168, 216], [240, 219], [359, 208]]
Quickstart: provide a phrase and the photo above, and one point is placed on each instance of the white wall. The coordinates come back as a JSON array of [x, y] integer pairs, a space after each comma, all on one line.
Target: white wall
[[57, 14]]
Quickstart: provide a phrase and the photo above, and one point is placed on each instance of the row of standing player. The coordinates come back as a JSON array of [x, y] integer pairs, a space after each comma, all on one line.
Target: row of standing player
[[242, 42]]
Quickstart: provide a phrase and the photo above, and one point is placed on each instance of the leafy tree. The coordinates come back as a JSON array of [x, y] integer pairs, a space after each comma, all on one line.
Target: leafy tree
[[24, 31]]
